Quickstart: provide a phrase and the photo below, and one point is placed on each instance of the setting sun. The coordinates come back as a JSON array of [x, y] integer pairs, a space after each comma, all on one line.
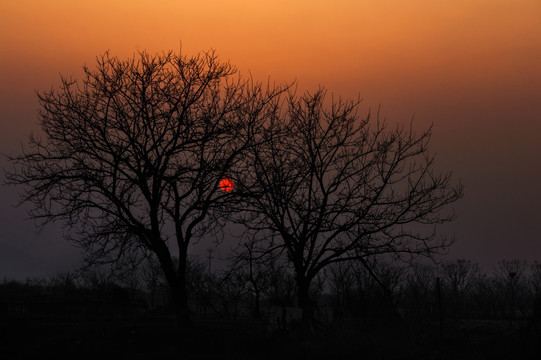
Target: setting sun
[[226, 185]]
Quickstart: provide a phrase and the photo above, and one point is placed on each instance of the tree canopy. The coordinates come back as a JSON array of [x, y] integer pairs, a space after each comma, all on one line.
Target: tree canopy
[[132, 155], [329, 186]]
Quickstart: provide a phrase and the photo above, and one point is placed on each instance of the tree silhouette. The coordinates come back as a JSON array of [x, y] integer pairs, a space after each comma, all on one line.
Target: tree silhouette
[[460, 277], [510, 279], [327, 186], [254, 271], [132, 156]]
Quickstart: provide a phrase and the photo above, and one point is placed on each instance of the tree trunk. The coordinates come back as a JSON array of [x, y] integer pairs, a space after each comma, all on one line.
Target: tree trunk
[[257, 311], [181, 302], [305, 303], [176, 279]]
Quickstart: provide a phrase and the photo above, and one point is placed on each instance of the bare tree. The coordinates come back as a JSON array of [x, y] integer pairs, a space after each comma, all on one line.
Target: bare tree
[[511, 282], [460, 274], [535, 291], [328, 186], [342, 284], [254, 269], [132, 156], [459, 277]]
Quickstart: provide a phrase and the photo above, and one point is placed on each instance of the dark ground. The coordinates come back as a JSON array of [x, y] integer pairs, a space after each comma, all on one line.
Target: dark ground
[[157, 338]]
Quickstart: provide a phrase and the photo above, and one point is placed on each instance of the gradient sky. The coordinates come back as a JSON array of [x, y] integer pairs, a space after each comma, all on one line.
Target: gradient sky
[[472, 68]]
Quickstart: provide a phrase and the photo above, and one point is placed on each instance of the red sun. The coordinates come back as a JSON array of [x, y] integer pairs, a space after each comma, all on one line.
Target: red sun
[[226, 185]]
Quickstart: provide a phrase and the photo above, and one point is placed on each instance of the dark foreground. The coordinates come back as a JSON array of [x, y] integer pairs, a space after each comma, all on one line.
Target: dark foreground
[[155, 338]]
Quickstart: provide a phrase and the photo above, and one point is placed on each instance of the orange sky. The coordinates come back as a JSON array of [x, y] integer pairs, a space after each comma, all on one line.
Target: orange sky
[[410, 55], [471, 67]]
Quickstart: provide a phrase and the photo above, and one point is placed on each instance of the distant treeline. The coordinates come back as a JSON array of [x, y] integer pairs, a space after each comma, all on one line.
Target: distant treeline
[[455, 289]]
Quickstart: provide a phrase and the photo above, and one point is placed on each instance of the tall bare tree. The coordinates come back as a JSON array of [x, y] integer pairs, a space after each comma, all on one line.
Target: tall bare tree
[[132, 155], [328, 186]]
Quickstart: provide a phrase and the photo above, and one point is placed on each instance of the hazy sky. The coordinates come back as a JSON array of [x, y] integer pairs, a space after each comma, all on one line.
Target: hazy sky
[[472, 68]]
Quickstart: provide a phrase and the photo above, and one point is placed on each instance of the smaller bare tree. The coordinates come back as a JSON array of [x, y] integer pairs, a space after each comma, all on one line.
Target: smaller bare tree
[[253, 267], [511, 283], [535, 290], [328, 186], [459, 277]]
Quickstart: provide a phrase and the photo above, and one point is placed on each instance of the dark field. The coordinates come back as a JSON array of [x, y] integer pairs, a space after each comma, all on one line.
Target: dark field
[[151, 338]]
